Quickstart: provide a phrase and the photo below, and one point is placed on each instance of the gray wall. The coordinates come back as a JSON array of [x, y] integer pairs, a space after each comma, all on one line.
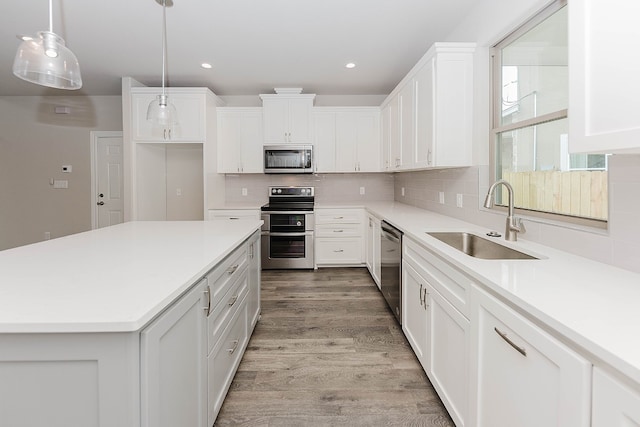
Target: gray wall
[[34, 144]]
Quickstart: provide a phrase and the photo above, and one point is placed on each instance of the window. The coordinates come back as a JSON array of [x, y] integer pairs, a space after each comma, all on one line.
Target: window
[[530, 126]]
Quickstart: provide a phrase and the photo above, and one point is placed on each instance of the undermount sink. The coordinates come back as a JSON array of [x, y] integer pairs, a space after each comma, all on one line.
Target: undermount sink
[[479, 247]]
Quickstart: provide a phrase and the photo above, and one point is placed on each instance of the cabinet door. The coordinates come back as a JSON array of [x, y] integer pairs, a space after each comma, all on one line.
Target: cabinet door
[[525, 377], [324, 149], [173, 365], [603, 76], [448, 358], [385, 139], [251, 142], [229, 138], [300, 120], [368, 141], [373, 248], [254, 272], [346, 140], [614, 404], [407, 141], [275, 115], [414, 314], [394, 134], [424, 82], [190, 110]]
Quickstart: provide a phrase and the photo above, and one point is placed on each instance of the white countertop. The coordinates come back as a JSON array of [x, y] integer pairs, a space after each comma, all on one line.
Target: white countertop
[[586, 304], [114, 279]]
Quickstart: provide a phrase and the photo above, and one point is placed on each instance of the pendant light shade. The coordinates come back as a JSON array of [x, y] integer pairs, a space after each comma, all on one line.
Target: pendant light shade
[[161, 112], [45, 60]]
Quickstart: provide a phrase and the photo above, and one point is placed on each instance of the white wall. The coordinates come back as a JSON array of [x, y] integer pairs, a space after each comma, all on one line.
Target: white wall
[[487, 24], [34, 144]]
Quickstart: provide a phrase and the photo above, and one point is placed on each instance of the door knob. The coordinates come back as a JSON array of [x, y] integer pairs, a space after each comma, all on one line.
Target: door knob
[[100, 203], [100, 195]]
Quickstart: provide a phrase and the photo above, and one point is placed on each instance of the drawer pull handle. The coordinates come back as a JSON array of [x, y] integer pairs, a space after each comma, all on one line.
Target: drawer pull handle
[[232, 300], [338, 231], [233, 269], [519, 349], [421, 294], [207, 309], [234, 217], [339, 250], [235, 346], [338, 217]]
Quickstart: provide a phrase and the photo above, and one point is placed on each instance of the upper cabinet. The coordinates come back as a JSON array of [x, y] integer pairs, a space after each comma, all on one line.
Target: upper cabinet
[[239, 140], [428, 116], [347, 139], [603, 77], [190, 105], [287, 118]]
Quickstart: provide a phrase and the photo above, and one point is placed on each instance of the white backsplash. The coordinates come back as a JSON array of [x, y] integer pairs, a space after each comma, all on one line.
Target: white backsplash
[[341, 188], [619, 245]]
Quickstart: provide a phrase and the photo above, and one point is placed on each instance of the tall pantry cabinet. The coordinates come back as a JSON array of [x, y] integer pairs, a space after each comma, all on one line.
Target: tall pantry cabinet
[[170, 171]]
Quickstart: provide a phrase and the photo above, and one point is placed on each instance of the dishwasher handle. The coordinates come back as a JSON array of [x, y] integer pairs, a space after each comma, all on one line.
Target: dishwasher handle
[[390, 232]]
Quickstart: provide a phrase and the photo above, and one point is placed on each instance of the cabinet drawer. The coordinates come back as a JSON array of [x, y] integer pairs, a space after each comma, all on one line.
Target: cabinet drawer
[[233, 214], [341, 230], [222, 312], [223, 276], [224, 360], [338, 216], [452, 284], [338, 251]]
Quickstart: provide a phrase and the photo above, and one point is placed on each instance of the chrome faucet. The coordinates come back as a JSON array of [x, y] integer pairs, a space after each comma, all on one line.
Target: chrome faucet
[[514, 225]]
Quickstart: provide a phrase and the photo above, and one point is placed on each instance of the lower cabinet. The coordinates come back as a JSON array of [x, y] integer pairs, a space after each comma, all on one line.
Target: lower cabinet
[[438, 333], [339, 237], [173, 369], [614, 404], [524, 376], [233, 214], [190, 353], [372, 250]]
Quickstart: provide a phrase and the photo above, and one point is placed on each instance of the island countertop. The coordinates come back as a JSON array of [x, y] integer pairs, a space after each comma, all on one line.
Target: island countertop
[[114, 279]]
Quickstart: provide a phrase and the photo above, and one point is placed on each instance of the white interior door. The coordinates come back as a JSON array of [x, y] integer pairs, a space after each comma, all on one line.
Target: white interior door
[[108, 180]]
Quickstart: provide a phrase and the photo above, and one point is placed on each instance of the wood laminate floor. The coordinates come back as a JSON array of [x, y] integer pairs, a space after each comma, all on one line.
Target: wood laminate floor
[[328, 352]]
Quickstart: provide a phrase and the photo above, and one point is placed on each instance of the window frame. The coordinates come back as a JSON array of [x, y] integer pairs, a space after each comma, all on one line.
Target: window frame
[[497, 128]]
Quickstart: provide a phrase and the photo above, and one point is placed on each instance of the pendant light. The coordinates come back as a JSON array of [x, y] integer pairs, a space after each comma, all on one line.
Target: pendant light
[[46, 61], [161, 111]]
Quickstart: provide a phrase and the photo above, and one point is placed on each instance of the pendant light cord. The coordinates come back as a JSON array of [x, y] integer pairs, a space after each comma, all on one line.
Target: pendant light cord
[[164, 41], [51, 16]]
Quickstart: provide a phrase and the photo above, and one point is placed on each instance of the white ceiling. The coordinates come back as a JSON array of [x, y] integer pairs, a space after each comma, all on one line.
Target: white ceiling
[[253, 45]]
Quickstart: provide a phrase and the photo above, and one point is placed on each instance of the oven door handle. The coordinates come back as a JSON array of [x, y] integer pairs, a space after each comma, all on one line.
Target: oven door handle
[[287, 212], [305, 233]]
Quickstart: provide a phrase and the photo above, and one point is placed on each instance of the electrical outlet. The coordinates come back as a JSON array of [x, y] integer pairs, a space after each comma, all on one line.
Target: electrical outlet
[[441, 197], [47, 235], [402, 191], [459, 200], [244, 191], [67, 169], [178, 191], [362, 191]]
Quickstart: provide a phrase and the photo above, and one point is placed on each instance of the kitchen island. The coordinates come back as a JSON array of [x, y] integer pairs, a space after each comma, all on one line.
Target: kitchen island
[[105, 328]]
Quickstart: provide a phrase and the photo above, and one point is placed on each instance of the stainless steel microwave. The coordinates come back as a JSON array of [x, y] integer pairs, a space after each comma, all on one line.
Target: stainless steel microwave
[[288, 159]]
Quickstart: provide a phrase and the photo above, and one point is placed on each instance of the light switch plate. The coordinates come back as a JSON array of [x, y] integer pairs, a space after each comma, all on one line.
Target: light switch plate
[[244, 191], [441, 197], [362, 191], [60, 183], [459, 200]]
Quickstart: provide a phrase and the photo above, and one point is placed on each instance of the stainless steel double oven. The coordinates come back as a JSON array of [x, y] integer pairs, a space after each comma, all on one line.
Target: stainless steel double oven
[[288, 230]]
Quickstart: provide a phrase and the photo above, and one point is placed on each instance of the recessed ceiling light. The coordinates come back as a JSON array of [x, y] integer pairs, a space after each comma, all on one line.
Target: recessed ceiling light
[[206, 65], [350, 65]]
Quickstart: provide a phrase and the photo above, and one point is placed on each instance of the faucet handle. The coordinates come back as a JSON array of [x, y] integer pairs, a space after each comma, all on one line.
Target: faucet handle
[[518, 225]]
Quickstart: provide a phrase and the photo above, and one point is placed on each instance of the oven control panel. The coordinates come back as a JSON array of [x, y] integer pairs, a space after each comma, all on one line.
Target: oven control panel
[[291, 191]]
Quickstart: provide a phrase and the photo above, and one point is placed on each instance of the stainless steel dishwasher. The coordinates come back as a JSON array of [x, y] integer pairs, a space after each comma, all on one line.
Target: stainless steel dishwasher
[[391, 267]]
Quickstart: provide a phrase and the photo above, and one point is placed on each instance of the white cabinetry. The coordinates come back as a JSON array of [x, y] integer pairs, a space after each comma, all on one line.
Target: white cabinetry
[[543, 381], [240, 140], [347, 139], [603, 76], [191, 110], [233, 214], [434, 305], [174, 370], [373, 248], [255, 273], [287, 118], [430, 111], [614, 404], [339, 237]]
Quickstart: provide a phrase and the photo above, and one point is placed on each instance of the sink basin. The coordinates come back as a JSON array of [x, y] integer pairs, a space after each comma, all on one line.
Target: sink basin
[[479, 247]]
